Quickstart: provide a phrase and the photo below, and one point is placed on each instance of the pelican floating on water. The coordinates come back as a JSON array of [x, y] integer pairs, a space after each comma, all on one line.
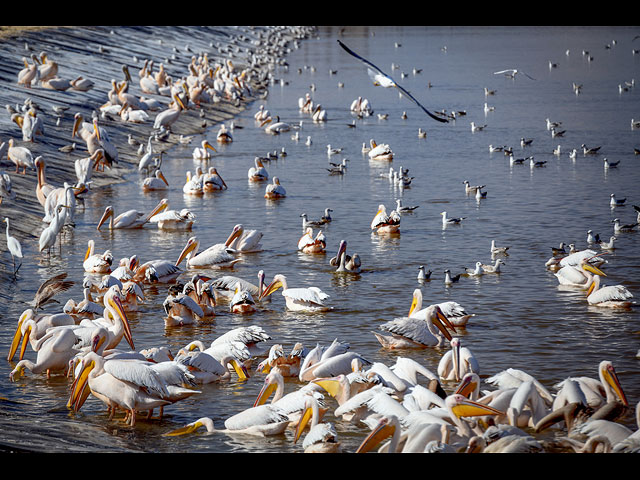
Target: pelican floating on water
[[130, 218], [613, 296], [97, 262], [275, 190], [307, 299], [413, 332], [218, 255], [201, 153]]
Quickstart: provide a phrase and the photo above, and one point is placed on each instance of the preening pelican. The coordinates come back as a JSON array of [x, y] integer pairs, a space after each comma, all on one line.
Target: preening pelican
[[262, 114], [130, 218], [97, 262], [218, 255], [258, 173], [174, 219], [180, 308], [412, 332], [310, 244], [243, 240], [242, 302], [224, 135], [193, 185], [20, 156], [319, 114], [380, 151], [201, 153], [612, 296], [13, 244], [275, 190], [380, 78], [310, 299], [212, 181]]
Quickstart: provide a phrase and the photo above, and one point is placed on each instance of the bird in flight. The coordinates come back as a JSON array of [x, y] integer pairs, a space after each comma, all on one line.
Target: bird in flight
[[512, 72], [382, 79]]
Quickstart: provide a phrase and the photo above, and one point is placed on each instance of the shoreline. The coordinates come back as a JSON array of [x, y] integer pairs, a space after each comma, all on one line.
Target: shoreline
[[99, 53]]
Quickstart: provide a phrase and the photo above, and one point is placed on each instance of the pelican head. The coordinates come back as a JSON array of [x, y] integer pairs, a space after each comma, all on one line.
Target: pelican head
[[235, 233], [279, 281], [385, 428], [206, 144], [108, 213], [112, 300], [191, 246], [609, 376], [22, 332], [461, 406]]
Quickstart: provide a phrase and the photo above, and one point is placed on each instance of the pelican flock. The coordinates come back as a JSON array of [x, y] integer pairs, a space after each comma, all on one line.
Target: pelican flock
[[424, 383]]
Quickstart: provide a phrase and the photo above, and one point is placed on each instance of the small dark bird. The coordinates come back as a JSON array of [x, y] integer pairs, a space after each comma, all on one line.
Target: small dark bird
[[49, 288]]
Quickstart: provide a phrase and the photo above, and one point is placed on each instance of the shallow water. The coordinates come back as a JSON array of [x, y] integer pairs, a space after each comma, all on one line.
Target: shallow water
[[523, 320]]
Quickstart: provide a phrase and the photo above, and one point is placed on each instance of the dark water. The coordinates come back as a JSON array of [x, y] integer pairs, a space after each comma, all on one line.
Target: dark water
[[523, 320]]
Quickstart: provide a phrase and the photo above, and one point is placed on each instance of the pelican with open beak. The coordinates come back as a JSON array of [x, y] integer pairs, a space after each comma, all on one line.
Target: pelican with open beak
[[130, 218]]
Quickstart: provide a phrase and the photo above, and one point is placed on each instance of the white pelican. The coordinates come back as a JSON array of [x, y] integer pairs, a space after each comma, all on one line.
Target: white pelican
[[166, 118], [224, 135], [308, 244], [212, 181], [157, 182], [131, 385], [319, 114], [380, 78], [262, 114], [613, 296], [263, 420], [201, 153], [129, 114], [244, 241], [32, 125], [55, 349], [457, 362], [492, 268], [284, 365], [275, 190], [29, 73], [322, 437], [305, 103], [361, 106], [275, 127], [97, 262], [181, 309], [412, 332], [450, 220], [580, 276], [130, 218], [20, 156], [380, 151], [13, 244], [225, 286], [208, 369], [455, 313], [242, 302], [32, 327], [174, 219], [258, 173], [84, 166], [218, 255], [310, 299], [383, 223], [193, 185], [344, 262]]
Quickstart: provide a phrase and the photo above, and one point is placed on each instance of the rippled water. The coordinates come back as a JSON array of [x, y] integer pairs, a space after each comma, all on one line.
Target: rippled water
[[523, 320]]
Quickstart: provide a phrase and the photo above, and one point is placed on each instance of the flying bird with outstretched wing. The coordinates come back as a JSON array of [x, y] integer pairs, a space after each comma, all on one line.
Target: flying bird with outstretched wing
[[382, 79]]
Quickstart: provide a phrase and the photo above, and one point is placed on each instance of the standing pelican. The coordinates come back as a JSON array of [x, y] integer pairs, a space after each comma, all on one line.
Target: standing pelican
[[380, 78], [20, 156], [130, 218], [212, 181], [13, 244], [309, 299], [166, 118], [218, 255]]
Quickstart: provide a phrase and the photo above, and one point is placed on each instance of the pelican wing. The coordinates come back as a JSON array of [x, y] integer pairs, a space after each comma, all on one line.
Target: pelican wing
[[311, 295], [229, 282], [138, 373], [245, 335], [610, 293], [570, 275], [256, 416], [189, 303], [201, 361], [409, 327], [388, 81]]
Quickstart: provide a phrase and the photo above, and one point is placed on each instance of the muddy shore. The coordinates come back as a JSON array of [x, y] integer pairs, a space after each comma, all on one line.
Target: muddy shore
[[99, 53]]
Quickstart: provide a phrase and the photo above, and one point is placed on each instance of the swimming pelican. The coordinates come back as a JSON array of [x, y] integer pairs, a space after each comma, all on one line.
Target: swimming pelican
[[224, 135], [319, 114], [243, 240], [275, 127], [308, 244], [97, 262], [322, 437], [242, 302], [216, 256], [180, 308], [457, 362], [275, 190], [580, 276], [258, 173], [174, 219], [208, 369], [412, 332], [455, 313], [157, 182], [380, 151], [306, 299], [13, 244], [344, 262], [262, 114], [613, 296], [194, 185], [383, 223], [212, 181], [130, 218], [380, 78], [201, 153], [20, 156]]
